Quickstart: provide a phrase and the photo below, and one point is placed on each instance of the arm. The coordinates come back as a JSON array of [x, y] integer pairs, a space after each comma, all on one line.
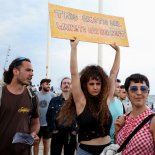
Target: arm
[[114, 72], [119, 123], [78, 95], [50, 117], [35, 122], [35, 126], [152, 128]]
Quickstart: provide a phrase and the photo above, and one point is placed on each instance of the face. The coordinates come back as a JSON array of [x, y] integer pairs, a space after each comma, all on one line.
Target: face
[[138, 98], [45, 86], [117, 88], [24, 73], [122, 94], [66, 85], [94, 87]]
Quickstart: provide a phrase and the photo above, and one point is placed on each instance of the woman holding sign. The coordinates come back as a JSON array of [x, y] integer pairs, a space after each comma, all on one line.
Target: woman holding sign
[[92, 91]]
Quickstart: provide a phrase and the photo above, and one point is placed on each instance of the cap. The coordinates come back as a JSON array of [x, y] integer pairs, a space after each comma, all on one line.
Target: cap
[[45, 80]]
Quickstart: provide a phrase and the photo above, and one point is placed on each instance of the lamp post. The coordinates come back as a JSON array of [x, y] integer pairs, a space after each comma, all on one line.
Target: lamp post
[[100, 9], [7, 55], [48, 52], [48, 56]]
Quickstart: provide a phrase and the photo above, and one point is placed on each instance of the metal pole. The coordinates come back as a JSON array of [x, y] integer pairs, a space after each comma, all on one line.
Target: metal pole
[[100, 9], [48, 53], [48, 48], [7, 55]]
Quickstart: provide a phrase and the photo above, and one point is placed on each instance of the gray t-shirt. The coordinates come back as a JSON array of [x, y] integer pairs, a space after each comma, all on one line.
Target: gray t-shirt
[[44, 100]]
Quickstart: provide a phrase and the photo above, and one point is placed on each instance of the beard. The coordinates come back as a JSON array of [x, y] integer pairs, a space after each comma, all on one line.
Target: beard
[[46, 89], [24, 83]]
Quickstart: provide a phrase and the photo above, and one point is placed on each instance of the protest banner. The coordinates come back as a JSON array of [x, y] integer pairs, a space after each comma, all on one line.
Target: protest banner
[[69, 23]]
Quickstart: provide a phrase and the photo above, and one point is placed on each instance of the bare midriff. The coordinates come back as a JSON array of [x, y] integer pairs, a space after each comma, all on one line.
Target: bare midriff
[[97, 141]]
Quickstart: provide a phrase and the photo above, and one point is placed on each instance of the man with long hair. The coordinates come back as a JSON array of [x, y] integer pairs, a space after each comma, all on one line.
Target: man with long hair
[[17, 113]]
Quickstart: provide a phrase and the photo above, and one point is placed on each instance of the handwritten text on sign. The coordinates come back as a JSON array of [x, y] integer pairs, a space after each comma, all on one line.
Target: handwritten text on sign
[[87, 26]]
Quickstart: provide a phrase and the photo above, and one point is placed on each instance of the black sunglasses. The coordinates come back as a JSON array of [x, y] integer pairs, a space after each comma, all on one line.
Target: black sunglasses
[[143, 89]]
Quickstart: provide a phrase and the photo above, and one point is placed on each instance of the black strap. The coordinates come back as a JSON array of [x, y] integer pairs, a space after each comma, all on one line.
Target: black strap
[[0, 94], [33, 100], [134, 132]]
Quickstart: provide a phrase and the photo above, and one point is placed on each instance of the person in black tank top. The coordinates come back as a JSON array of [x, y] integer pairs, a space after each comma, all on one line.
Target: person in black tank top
[[88, 103]]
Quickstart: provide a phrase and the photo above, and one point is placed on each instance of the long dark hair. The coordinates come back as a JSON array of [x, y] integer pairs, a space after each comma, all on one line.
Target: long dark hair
[[8, 74], [68, 111]]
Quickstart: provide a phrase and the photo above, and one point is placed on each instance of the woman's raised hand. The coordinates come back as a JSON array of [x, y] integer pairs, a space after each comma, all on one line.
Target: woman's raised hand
[[115, 47], [74, 43]]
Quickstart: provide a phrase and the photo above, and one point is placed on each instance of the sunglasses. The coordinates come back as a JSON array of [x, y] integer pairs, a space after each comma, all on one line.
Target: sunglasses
[[21, 59], [143, 89]]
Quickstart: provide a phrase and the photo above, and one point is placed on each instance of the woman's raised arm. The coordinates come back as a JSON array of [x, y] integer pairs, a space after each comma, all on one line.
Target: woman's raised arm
[[78, 95], [114, 71]]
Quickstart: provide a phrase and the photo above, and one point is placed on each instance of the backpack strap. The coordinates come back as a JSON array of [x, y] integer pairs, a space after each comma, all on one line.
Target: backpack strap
[[1, 87], [33, 99]]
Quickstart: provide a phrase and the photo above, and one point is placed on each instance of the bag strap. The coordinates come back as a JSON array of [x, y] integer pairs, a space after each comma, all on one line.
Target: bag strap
[[2, 84], [33, 98], [1, 87], [134, 132]]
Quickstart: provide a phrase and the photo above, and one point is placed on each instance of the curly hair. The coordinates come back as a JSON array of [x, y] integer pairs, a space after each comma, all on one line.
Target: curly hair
[[100, 110]]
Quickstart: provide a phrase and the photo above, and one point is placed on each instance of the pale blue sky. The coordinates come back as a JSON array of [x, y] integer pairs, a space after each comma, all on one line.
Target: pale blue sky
[[24, 27]]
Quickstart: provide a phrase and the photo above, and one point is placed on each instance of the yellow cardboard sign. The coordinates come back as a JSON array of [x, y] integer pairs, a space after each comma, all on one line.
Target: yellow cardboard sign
[[69, 23]]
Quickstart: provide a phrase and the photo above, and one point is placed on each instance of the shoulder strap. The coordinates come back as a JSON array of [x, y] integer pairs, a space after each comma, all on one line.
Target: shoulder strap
[[33, 98], [31, 92], [134, 132], [1, 87]]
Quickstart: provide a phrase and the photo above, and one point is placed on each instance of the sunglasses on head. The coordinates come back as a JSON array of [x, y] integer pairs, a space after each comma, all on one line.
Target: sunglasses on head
[[143, 89], [19, 60]]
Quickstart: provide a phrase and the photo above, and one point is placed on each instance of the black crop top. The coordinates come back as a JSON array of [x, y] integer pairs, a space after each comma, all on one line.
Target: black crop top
[[89, 127]]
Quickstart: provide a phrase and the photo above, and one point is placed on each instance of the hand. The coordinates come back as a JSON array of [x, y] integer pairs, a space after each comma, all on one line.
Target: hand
[[55, 131], [119, 123], [35, 137], [115, 47], [74, 43], [73, 132], [110, 149]]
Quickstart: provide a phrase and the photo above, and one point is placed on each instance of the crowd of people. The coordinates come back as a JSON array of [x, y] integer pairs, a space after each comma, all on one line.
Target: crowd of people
[[91, 116]]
